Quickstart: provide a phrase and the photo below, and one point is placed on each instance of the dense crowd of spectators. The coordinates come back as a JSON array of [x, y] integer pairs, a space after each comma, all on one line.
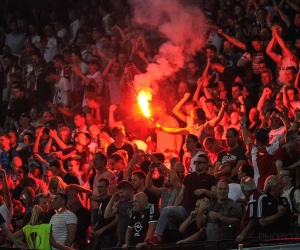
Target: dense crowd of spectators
[[83, 168]]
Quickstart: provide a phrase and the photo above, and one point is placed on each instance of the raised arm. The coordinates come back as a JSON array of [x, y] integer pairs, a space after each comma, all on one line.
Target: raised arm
[[130, 166], [107, 69], [111, 208], [270, 50], [177, 109], [233, 40], [149, 185], [173, 131], [215, 121], [111, 118], [180, 197], [282, 44], [173, 175], [5, 189]]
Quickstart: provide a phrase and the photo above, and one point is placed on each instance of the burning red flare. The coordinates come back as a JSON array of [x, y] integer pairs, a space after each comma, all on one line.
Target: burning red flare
[[143, 99]]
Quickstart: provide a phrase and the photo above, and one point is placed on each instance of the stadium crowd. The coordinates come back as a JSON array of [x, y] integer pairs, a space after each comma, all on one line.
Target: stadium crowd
[[83, 168]]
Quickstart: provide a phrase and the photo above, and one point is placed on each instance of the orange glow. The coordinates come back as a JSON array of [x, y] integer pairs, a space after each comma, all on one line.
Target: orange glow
[[143, 99]]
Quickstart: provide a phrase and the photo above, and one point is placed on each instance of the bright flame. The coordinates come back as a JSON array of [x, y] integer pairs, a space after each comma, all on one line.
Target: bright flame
[[143, 99]]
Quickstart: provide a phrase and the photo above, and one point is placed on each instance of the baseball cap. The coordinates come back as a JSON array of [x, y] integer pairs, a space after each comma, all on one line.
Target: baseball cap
[[25, 114]]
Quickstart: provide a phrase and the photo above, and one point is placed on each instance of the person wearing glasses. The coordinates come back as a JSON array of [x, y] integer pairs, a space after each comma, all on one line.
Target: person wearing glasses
[[195, 186]]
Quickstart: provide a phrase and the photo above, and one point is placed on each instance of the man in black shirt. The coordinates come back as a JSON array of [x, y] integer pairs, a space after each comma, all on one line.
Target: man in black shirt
[[105, 229], [142, 223], [273, 210], [57, 169], [234, 155]]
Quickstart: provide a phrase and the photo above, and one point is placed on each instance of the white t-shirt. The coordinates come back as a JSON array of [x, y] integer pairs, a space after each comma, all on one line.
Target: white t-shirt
[[73, 30], [235, 192], [60, 89], [51, 49], [59, 224], [286, 194], [276, 134], [99, 80]]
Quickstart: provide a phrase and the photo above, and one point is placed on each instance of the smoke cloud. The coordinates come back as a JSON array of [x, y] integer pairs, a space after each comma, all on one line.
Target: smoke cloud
[[183, 26]]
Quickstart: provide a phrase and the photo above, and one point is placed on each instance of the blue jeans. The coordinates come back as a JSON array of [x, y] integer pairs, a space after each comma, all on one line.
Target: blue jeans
[[179, 213]]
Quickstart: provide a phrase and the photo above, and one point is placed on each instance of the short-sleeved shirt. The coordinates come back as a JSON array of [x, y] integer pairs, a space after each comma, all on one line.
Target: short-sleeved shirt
[[267, 205], [112, 181], [59, 224], [282, 155], [276, 134], [127, 147], [232, 157], [139, 221], [219, 230], [250, 212], [193, 182], [263, 163], [101, 220], [60, 93], [296, 197], [124, 211]]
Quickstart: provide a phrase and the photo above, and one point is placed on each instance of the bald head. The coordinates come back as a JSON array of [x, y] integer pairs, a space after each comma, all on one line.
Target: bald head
[[16, 163], [140, 201]]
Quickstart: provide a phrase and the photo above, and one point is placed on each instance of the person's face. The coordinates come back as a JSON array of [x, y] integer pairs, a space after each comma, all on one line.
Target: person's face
[[94, 131], [236, 92], [231, 140], [47, 117], [297, 20], [114, 41], [290, 75], [278, 189], [20, 174], [182, 89], [160, 112], [235, 118], [57, 202], [55, 171], [47, 175], [136, 182], [14, 26], [208, 146], [24, 121], [26, 140], [74, 58], [44, 204], [120, 136], [293, 143], [192, 68], [227, 46], [238, 11], [291, 95], [26, 200], [264, 34], [96, 35], [48, 31], [93, 68], [105, 42], [17, 93], [102, 188], [190, 144], [297, 44], [200, 164], [116, 165], [73, 167], [266, 78], [4, 142], [258, 46], [179, 169], [99, 164], [116, 68], [138, 203], [122, 58], [81, 139], [34, 114], [79, 121], [211, 107], [210, 53], [219, 131], [222, 191], [124, 194], [35, 59], [274, 122], [278, 100], [13, 138], [64, 136], [262, 67], [89, 119]]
